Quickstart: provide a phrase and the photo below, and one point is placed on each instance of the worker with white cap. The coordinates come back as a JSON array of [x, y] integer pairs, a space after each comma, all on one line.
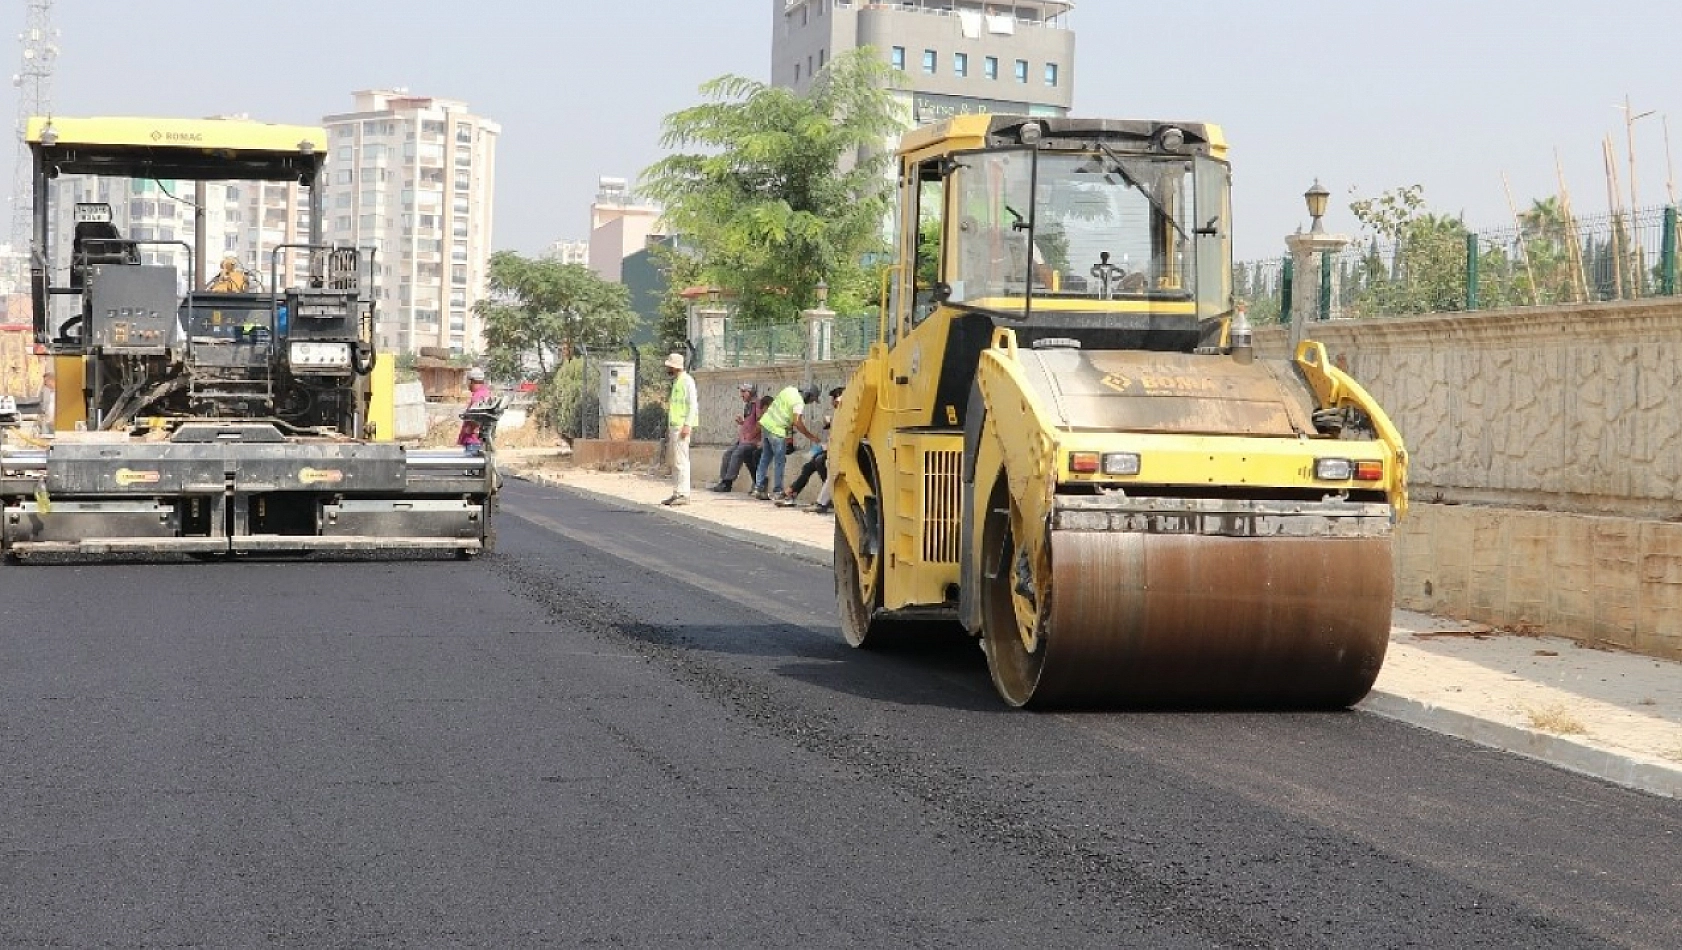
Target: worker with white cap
[[478, 391], [682, 415]]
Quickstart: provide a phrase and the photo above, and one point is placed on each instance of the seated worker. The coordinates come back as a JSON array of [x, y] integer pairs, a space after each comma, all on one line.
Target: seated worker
[[1108, 275], [745, 451], [230, 279], [479, 391], [818, 463]]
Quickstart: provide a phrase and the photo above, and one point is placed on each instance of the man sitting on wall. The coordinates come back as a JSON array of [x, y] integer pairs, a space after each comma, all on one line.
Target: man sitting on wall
[[745, 451]]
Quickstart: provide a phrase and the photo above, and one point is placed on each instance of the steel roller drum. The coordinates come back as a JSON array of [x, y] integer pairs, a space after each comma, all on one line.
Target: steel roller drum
[[1137, 619]]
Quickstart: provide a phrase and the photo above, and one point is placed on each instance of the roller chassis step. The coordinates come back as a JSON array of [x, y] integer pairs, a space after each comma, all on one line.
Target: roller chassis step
[[1222, 517]]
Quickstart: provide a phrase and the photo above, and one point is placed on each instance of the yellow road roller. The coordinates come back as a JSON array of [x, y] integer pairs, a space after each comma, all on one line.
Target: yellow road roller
[[1066, 442]]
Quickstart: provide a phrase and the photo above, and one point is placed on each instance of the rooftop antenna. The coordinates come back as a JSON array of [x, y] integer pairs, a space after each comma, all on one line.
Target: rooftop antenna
[[34, 82]]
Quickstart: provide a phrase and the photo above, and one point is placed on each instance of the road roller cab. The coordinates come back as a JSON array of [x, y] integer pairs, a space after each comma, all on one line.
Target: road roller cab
[[1066, 442]]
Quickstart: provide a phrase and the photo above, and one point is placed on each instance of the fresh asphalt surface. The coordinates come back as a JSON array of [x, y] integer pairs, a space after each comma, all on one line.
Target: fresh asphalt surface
[[618, 731]]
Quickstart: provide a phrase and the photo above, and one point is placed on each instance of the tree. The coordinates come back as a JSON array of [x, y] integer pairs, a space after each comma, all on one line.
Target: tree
[[682, 270], [542, 311], [783, 190], [1427, 269]]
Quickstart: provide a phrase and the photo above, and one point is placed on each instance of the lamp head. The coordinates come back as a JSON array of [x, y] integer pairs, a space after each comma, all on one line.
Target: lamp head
[[1316, 197]]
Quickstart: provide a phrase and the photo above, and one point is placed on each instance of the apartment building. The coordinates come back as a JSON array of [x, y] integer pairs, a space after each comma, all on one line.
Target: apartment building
[[620, 226], [413, 178], [568, 252], [952, 56]]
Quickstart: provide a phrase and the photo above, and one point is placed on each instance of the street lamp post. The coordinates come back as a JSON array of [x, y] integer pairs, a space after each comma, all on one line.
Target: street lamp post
[[1312, 303]]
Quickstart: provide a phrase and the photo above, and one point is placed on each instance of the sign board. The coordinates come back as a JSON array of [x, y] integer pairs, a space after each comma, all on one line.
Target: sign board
[[929, 107], [93, 213]]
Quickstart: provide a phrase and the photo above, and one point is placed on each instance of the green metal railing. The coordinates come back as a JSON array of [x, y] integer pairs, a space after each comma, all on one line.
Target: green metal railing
[[1444, 268], [848, 337]]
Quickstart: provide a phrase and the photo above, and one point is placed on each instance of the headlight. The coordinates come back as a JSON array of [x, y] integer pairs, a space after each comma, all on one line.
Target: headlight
[[1333, 470], [1121, 463], [1109, 463], [1342, 470], [320, 355]]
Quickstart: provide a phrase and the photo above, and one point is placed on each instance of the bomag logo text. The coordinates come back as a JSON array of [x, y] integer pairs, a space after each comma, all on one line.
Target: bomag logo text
[[1155, 385], [184, 138]]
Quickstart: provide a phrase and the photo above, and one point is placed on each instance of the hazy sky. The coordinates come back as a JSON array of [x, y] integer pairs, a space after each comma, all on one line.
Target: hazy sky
[[1448, 94]]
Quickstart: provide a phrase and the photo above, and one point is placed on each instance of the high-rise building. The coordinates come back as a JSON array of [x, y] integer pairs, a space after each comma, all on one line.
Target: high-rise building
[[413, 177], [951, 56], [569, 252]]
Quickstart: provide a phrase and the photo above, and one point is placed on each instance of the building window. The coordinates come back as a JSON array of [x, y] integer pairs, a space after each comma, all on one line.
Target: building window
[[931, 61], [960, 64], [990, 67], [823, 58], [1021, 70], [896, 58], [797, 73], [1051, 74]]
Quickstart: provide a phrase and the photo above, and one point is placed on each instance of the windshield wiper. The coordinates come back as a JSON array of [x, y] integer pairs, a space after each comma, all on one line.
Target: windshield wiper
[[1121, 169]]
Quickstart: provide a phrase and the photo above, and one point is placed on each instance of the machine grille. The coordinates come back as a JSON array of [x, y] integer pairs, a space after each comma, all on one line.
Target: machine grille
[[942, 501]]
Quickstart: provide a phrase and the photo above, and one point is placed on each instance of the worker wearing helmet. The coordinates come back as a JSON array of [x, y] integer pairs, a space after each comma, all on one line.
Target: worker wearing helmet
[[682, 415], [230, 279], [779, 423], [479, 391]]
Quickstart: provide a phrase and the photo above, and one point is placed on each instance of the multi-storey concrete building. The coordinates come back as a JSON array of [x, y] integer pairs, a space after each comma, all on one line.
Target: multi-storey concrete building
[[569, 252], [952, 56], [413, 177], [620, 226]]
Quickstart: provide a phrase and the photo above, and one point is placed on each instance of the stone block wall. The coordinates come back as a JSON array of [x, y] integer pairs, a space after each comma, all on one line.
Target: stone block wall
[[1565, 408], [721, 401]]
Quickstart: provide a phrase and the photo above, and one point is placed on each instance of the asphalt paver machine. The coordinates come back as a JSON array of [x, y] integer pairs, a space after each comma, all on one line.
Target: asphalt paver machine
[[243, 413]]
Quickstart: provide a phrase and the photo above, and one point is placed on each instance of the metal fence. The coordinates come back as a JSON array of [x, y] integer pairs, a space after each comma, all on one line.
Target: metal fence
[[575, 401], [841, 337], [1547, 258]]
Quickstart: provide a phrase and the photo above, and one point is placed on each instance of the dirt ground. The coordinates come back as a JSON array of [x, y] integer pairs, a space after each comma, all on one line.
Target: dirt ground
[[443, 433]]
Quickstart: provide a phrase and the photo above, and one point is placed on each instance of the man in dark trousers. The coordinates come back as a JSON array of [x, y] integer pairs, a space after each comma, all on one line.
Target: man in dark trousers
[[746, 449], [818, 463]]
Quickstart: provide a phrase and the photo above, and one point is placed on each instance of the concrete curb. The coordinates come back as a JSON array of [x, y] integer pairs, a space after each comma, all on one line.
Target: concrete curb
[[1626, 769], [1654, 776]]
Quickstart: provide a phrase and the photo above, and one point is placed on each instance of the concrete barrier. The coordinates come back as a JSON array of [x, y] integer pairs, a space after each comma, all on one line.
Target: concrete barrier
[[411, 419]]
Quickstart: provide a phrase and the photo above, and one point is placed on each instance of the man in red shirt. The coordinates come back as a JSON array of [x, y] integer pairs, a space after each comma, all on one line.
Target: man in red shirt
[[745, 451]]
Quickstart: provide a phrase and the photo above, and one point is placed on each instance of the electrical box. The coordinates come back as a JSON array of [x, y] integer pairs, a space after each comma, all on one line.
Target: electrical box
[[133, 308], [619, 400]]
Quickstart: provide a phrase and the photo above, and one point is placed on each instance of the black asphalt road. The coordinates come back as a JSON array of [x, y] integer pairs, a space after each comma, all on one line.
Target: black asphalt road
[[621, 732]]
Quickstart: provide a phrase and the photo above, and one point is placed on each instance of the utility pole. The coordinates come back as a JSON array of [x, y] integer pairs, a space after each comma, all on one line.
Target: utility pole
[[34, 81], [1639, 265], [1629, 136], [1669, 168]]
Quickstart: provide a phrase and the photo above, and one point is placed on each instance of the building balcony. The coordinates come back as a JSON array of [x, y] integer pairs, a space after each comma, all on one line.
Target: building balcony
[[1046, 13]]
